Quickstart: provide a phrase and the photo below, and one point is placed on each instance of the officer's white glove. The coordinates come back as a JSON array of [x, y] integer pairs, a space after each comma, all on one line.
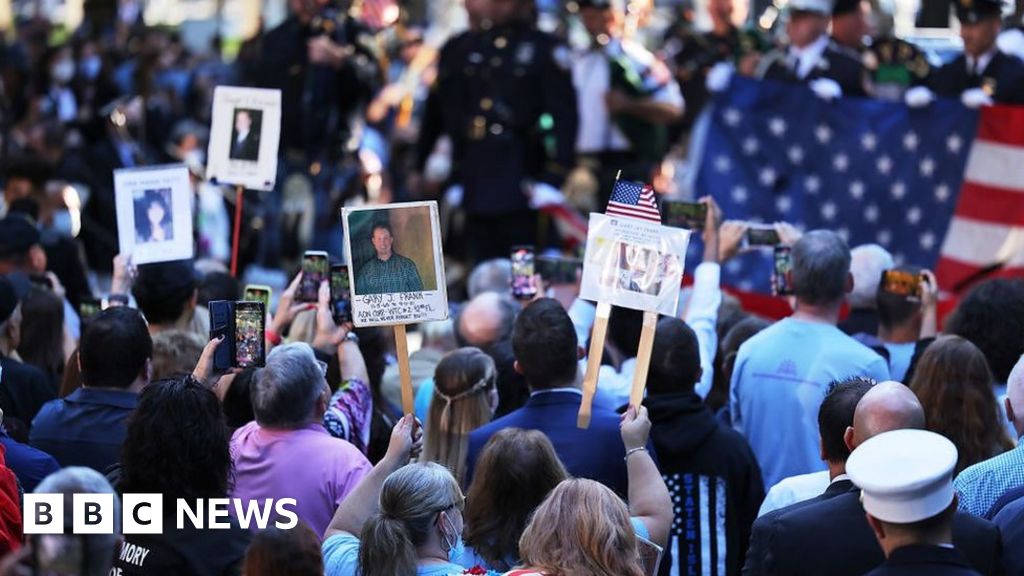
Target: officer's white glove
[[826, 88], [719, 77], [453, 195], [919, 97], [543, 194], [975, 98]]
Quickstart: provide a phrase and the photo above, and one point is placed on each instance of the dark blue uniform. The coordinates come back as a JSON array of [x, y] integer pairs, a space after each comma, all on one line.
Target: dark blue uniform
[[505, 98], [1002, 79], [924, 561]]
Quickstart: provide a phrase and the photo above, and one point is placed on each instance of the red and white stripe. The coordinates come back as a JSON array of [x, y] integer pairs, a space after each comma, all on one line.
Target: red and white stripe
[[986, 233]]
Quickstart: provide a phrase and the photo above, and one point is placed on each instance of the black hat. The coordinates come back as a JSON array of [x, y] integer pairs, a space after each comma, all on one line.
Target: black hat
[[971, 11], [13, 289], [842, 7], [17, 235]]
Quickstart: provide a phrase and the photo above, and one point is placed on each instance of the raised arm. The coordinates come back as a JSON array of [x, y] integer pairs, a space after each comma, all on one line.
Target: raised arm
[[649, 499]]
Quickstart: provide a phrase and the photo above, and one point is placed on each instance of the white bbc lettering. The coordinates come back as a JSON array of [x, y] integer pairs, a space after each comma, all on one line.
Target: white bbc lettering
[[195, 515], [248, 510], [143, 513], [218, 508], [283, 513], [44, 514], [93, 513]]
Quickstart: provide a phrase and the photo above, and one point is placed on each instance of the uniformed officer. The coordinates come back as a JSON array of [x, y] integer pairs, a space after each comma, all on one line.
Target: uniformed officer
[[810, 57], [507, 102], [323, 62], [625, 97], [906, 482], [983, 74], [850, 25]]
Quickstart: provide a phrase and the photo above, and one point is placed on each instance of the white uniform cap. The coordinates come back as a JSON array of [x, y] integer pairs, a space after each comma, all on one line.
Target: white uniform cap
[[905, 476], [819, 6]]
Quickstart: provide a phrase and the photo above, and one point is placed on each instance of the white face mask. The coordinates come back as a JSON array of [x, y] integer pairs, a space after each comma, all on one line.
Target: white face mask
[[63, 71]]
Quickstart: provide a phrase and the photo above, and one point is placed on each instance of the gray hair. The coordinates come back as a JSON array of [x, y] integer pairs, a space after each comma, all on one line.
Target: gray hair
[[285, 392], [490, 276], [98, 549], [821, 264], [867, 262]]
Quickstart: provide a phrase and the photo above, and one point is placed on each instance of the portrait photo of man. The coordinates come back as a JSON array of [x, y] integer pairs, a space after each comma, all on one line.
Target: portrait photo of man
[[245, 135], [387, 272]]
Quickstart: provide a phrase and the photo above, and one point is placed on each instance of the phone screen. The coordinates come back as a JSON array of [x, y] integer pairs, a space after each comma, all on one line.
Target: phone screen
[[783, 263], [249, 334], [314, 271], [901, 283], [557, 270], [341, 295], [522, 272], [220, 325], [688, 215], [257, 293], [89, 308], [762, 236]]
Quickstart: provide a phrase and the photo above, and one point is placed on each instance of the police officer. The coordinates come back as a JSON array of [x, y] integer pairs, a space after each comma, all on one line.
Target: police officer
[[507, 102], [625, 97], [810, 58], [322, 61], [982, 74]]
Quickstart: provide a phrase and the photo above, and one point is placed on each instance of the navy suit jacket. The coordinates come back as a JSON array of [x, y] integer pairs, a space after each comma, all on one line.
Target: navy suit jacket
[[924, 561], [596, 453]]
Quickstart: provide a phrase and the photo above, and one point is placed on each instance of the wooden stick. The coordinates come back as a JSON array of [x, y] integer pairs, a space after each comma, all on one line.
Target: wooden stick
[[404, 374], [643, 359], [239, 193], [597, 337]]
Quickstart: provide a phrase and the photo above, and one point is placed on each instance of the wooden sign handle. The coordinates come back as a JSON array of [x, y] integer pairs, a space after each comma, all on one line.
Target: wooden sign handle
[[597, 338], [643, 359], [236, 231], [404, 374]]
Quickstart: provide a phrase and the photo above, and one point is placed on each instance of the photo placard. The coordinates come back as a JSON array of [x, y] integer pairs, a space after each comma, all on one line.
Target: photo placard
[[396, 266], [244, 137], [154, 213], [633, 264]]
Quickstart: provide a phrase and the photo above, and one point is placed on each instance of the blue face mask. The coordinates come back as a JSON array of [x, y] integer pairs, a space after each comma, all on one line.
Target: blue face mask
[[457, 549]]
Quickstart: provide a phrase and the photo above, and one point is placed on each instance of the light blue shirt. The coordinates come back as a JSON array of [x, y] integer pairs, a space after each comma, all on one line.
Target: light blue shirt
[[978, 487], [341, 558], [900, 356], [780, 379]]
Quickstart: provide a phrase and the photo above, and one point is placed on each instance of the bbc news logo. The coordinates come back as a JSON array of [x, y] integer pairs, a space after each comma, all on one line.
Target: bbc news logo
[[144, 513]]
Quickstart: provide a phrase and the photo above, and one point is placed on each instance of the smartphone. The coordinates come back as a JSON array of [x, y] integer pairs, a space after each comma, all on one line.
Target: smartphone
[[688, 215], [761, 236], [558, 270], [222, 315], [341, 295], [258, 293], [901, 283], [782, 258], [250, 336], [522, 273], [88, 308], [315, 269]]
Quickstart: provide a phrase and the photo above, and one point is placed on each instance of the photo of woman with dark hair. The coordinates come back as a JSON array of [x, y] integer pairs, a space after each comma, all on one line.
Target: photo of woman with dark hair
[[154, 221]]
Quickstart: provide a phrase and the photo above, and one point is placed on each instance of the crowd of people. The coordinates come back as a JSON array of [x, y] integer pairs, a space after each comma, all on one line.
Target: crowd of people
[[864, 432]]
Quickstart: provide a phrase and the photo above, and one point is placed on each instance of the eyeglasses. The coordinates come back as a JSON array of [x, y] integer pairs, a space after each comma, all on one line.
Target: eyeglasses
[[323, 367]]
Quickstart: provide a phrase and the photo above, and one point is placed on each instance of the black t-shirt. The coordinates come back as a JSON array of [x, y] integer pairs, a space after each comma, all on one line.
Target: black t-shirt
[[188, 551]]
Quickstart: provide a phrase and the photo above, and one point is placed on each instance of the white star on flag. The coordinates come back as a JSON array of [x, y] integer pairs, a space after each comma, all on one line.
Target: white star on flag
[[871, 213], [767, 176], [783, 203], [910, 141], [812, 184], [942, 192], [723, 164], [927, 167], [898, 190], [869, 141], [884, 237], [844, 233], [954, 143], [751, 146], [857, 189], [841, 162], [732, 116], [796, 154], [739, 194], [927, 240], [777, 126], [829, 210], [884, 165], [823, 133], [914, 215]]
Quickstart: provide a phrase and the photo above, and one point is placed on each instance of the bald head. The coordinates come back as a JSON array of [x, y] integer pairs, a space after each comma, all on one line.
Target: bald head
[[886, 407], [485, 320]]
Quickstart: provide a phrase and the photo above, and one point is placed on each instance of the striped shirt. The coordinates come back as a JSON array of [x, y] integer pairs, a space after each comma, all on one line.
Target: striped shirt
[[979, 486], [396, 274]]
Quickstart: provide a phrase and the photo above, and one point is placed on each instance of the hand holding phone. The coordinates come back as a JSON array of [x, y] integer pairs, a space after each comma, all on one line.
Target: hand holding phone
[[341, 295], [523, 270], [783, 263], [258, 293], [687, 215], [243, 326], [315, 269], [761, 235], [902, 283]]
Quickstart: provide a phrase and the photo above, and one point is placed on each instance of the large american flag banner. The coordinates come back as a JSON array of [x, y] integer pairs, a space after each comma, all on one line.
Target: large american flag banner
[[873, 171], [986, 236]]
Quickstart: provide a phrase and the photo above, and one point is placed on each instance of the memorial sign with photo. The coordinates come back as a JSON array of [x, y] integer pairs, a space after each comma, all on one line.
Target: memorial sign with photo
[[154, 213], [244, 137], [396, 264], [633, 264]]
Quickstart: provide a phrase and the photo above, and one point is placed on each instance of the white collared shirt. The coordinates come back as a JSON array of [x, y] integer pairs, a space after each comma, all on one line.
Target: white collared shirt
[[241, 137], [553, 390], [808, 56], [979, 64]]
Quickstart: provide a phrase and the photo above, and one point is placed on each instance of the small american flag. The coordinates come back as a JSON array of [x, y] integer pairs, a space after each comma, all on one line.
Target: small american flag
[[633, 200]]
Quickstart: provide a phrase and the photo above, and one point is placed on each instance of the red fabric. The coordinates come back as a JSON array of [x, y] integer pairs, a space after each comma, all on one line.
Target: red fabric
[[11, 526]]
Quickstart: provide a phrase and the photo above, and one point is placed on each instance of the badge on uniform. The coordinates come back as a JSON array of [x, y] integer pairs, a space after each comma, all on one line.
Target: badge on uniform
[[988, 86], [524, 53]]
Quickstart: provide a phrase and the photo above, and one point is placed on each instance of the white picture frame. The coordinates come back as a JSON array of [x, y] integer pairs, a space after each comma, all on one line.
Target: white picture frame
[[408, 290], [154, 213], [244, 137], [634, 264]]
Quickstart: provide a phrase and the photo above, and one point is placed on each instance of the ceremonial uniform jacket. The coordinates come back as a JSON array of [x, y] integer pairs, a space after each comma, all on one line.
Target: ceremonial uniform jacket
[[1002, 79]]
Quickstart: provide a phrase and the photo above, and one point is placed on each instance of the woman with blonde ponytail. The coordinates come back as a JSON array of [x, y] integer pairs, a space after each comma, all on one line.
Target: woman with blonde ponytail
[[465, 396], [401, 520]]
